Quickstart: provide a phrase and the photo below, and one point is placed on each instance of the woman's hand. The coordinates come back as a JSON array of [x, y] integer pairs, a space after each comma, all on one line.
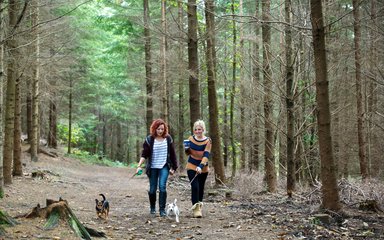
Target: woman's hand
[[138, 169], [171, 171], [198, 170]]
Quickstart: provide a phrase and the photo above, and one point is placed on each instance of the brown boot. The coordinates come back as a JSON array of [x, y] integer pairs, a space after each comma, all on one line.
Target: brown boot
[[197, 210]]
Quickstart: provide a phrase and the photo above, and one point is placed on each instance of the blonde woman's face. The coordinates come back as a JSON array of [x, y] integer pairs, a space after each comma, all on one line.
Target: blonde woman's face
[[198, 131]]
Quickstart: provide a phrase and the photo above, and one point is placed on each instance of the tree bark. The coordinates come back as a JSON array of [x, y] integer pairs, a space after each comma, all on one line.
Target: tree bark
[[163, 66], [374, 142], [270, 171], [243, 94], [181, 89], [148, 66], [359, 95], [233, 92], [1, 100], [289, 72], [52, 134], [330, 194], [69, 149], [35, 133], [254, 159], [193, 64], [11, 46], [217, 160], [17, 165]]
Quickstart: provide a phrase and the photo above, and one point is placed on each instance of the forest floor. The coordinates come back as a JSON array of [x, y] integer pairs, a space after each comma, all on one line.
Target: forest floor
[[246, 213]]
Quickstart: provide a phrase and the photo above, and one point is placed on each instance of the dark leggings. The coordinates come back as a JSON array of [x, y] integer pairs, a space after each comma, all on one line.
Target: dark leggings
[[197, 185]]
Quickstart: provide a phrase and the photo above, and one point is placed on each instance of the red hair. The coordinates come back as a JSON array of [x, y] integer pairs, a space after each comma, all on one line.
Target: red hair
[[155, 125]]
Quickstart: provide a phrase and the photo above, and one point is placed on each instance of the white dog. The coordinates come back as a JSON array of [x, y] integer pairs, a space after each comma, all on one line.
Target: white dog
[[173, 209]]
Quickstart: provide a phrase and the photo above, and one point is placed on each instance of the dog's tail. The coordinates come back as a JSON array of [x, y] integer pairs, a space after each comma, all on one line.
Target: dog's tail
[[102, 195]]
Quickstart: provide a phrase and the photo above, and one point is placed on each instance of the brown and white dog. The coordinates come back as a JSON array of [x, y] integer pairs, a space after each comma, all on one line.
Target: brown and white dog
[[102, 207]]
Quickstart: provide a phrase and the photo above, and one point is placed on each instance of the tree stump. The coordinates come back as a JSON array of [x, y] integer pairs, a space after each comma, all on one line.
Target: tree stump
[[56, 210]]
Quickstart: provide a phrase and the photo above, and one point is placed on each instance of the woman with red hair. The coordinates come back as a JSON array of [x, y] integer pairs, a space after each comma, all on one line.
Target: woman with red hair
[[160, 156]]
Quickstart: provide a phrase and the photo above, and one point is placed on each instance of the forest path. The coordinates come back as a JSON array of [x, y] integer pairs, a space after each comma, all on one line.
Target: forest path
[[80, 184]]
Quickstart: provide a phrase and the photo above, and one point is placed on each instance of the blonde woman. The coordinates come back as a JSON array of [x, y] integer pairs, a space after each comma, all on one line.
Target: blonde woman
[[198, 148]]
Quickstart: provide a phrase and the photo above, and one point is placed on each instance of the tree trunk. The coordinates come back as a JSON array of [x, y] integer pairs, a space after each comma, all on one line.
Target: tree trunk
[[243, 95], [181, 90], [52, 134], [254, 158], [69, 150], [35, 133], [193, 64], [233, 92], [163, 66], [291, 181], [359, 95], [17, 166], [11, 45], [270, 171], [374, 142], [148, 66], [330, 194], [225, 135], [1, 100], [217, 160]]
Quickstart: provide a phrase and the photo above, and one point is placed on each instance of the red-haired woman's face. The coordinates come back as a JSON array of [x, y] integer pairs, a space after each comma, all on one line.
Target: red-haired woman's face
[[160, 130]]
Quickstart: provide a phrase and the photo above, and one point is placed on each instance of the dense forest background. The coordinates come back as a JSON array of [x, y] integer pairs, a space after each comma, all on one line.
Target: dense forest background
[[92, 75]]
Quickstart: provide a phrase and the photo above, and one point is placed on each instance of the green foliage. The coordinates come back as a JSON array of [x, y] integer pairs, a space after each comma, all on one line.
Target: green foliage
[[77, 137], [5, 219], [85, 157], [52, 220]]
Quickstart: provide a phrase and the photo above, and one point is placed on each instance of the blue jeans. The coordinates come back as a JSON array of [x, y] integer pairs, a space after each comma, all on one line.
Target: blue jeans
[[158, 177], [197, 185]]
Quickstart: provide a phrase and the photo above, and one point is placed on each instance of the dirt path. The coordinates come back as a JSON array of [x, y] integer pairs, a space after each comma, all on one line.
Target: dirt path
[[80, 184]]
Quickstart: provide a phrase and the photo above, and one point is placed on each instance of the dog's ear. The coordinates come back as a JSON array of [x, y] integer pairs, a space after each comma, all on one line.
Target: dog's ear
[[96, 201], [175, 201]]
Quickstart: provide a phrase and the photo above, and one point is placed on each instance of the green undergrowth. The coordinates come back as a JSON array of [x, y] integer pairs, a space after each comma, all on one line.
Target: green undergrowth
[[95, 159]]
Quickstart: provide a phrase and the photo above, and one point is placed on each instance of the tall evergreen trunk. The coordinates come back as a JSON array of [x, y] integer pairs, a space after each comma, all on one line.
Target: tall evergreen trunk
[[359, 95], [193, 64], [225, 110], [254, 158], [35, 131], [52, 133], [233, 92], [163, 66], [17, 165], [148, 66], [28, 103], [11, 46], [1, 99], [374, 143], [243, 94], [69, 149], [289, 71], [180, 53], [217, 160], [119, 156], [270, 171], [330, 194]]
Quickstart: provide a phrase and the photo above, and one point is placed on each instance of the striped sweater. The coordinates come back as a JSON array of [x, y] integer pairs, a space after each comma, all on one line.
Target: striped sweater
[[198, 153]]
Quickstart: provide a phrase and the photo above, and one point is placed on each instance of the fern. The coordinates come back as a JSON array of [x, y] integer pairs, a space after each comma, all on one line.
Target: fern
[[53, 220], [7, 220]]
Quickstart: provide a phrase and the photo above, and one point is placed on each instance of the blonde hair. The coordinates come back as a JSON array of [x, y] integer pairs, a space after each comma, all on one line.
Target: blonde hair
[[201, 124]]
